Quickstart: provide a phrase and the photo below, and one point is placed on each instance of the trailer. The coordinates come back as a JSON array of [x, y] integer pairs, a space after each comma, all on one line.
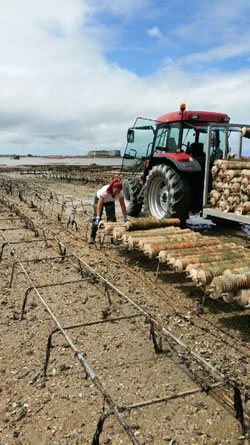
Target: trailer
[[240, 131]]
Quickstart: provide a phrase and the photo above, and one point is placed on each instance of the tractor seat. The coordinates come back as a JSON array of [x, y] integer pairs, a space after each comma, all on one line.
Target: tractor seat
[[196, 149], [171, 145]]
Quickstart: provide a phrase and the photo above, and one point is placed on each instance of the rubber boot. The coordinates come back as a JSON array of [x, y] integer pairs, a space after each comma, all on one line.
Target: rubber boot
[[93, 233], [94, 226]]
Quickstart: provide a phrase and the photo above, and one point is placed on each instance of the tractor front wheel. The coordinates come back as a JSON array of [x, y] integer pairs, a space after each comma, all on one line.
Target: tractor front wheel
[[167, 194], [131, 188]]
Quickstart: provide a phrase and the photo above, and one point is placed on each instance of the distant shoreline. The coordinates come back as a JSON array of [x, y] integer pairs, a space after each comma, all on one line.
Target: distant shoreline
[[60, 157], [28, 161]]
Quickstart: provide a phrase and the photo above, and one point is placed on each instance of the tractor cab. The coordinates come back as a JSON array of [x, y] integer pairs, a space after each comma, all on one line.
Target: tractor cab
[[185, 133], [174, 137]]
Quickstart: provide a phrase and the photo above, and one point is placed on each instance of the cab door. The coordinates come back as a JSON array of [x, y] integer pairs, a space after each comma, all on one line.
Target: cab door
[[139, 145]]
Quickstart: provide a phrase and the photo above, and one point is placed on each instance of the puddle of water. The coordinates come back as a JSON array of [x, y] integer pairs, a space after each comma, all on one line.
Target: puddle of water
[[196, 222], [246, 229]]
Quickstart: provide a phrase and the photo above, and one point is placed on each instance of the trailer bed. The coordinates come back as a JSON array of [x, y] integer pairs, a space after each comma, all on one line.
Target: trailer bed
[[213, 213]]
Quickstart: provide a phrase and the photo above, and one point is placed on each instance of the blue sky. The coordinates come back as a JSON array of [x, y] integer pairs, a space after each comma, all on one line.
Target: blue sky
[[180, 32], [74, 74]]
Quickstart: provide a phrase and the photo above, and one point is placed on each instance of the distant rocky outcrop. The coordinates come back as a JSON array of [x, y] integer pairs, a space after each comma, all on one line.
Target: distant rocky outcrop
[[104, 153]]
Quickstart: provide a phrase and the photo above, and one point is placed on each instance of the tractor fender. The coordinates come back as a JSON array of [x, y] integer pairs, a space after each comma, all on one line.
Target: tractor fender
[[182, 162]]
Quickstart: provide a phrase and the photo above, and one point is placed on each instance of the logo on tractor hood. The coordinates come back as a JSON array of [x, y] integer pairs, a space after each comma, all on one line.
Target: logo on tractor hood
[[179, 157]]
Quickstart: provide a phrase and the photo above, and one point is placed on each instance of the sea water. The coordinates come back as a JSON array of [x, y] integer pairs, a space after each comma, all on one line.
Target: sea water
[[36, 160]]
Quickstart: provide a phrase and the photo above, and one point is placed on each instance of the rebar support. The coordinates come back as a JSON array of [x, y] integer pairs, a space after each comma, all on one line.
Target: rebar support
[[4, 229], [239, 412], [80, 325], [44, 286], [105, 416], [10, 219], [80, 269], [201, 303], [106, 292], [157, 271], [25, 242], [157, 347], [28, 221], [35, 260], [99, 428], [62, 249]]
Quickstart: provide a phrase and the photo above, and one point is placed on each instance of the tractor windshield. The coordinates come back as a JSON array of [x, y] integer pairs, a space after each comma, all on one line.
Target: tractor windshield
[[139, 144], [184, 137]]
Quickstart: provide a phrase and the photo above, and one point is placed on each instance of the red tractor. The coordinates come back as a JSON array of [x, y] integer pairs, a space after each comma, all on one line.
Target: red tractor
[[164, 162]]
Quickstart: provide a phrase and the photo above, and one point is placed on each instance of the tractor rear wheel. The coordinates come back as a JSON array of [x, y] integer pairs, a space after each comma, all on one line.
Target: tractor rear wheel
[[131, 188], [167, 194]]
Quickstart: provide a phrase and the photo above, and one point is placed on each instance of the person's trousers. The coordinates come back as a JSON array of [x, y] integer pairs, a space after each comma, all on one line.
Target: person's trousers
[[110, 213]]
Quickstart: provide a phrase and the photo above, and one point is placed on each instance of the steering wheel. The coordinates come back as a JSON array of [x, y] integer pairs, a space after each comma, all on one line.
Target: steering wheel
[[160, 149]]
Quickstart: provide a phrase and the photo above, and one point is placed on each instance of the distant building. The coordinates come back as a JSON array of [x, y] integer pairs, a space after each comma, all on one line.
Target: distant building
[[104, 153], [98, 153], [114, 153]]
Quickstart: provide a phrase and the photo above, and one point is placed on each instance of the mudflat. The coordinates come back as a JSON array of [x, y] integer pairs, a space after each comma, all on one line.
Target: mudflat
[[64, 406]]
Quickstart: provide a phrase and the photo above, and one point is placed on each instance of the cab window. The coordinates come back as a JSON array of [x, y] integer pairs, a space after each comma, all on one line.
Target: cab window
[[173, 137], [167, 136]]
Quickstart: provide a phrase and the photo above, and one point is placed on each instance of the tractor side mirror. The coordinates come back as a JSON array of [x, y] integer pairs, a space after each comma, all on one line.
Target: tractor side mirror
[[130, 136]]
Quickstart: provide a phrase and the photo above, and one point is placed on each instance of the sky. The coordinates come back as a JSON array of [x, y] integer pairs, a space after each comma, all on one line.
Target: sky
[[74, 74]]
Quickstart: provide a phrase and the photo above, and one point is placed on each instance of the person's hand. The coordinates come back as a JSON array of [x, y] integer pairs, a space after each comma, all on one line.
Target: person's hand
[[126, 219], [98, 219]]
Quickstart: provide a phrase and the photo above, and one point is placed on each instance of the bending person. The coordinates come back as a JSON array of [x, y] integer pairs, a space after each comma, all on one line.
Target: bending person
[[106, 197]]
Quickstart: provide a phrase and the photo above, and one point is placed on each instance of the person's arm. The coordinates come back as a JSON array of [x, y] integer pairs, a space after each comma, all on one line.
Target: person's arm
[[99, 207], [123, 207]]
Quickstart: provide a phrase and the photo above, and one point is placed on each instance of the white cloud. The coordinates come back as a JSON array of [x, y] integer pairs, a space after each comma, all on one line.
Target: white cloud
[[58, 92], [221, 52], [154, 32], [215, 23]]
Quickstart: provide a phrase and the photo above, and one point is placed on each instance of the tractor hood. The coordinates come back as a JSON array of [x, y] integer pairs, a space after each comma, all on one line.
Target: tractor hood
[[183, 162]]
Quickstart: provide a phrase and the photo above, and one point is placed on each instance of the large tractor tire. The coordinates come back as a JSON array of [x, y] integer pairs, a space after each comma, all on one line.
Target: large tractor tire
[[131, 188], [167, 194]]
